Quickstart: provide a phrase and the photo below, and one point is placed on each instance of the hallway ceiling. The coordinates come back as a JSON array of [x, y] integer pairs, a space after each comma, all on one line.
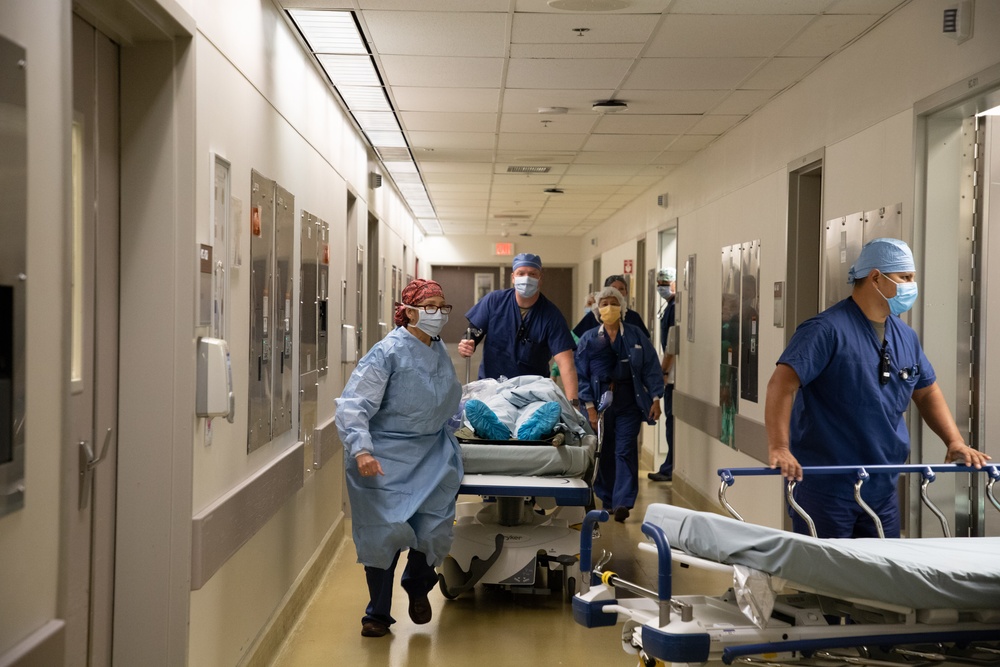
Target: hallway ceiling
[[467, 79]]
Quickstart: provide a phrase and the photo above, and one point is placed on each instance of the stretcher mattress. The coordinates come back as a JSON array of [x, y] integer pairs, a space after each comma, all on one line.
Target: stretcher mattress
[[960, 573], [521, 459]]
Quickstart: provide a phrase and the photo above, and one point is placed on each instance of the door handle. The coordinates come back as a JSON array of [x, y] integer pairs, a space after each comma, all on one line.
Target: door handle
[[87, 464]]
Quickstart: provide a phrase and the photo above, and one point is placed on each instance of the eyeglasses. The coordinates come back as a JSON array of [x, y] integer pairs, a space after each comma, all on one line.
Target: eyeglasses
[[433, 309]]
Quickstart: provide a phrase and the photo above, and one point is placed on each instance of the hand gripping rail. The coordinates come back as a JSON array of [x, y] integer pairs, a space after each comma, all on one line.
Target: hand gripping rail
[[862, 474]]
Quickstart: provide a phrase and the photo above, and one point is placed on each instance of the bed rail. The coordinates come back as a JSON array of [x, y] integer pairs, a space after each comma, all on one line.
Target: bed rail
[[862, 474]]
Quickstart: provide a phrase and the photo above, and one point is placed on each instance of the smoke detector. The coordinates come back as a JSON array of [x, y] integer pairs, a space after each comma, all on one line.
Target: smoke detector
[[609, 106]]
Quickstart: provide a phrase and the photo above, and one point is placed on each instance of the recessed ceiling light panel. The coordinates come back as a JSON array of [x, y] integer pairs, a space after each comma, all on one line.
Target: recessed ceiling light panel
[[589, 5]]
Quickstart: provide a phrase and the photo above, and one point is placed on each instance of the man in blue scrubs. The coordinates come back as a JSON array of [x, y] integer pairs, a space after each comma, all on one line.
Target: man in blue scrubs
[[522, 330], [856, 366]]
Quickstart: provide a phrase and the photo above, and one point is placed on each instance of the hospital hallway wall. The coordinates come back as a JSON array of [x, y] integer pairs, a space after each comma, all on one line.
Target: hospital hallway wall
[[211, 535]]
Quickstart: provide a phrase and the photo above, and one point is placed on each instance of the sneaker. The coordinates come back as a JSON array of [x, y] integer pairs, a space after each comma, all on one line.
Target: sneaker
[[420, 610], [660, 477], [541, 423], [621, 513], [373, 628], [485, 421]]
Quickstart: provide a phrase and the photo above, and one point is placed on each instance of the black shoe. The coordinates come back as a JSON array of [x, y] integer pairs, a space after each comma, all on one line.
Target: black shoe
[[374, 628], [420, 609], [621, 513], [660, 477]]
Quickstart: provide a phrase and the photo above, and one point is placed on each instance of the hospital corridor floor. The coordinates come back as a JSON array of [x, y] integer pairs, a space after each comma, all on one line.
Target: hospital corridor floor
[[485, 627]]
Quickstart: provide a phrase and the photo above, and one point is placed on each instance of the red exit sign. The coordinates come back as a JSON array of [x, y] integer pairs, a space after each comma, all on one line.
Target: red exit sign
[[504, 249]]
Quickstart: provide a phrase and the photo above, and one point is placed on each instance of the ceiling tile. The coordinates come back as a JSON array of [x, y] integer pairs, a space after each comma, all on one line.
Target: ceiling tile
[[557, 142], [436, 33], [604, 28], [749, 7], [551, 123], [446, 140], [640, 158], [456, 168], [743, 102], [438, 72], [715, 124], [437, 5], [417, 121], [560, 73], [574, 50], [442, 155], [879, 7], [692, 143], [674, 157], [828, 34], [628, 123], [690, 73], [432, 178], [627, 142], [723, 36], [469, 100], [779, 73]]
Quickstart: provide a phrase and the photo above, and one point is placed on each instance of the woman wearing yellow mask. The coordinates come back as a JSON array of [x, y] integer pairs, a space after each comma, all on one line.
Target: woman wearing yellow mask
[[618, 356]]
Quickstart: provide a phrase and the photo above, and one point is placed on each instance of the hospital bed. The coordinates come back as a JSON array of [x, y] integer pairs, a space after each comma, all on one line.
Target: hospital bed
[[522, 533], [800, 599]]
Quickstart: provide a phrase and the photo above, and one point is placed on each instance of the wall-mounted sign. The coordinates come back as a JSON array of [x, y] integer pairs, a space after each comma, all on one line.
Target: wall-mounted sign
[[627, 270], [503, 249]]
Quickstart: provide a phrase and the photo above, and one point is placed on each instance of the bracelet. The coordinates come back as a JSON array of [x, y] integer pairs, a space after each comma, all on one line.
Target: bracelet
[[575, 402]]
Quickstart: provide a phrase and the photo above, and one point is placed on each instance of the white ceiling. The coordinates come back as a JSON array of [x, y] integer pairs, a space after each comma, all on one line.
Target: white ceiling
[[467, 79]]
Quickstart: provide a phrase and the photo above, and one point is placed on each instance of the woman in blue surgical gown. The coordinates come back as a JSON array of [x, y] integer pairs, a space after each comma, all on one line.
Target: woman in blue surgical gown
[[403, 464]]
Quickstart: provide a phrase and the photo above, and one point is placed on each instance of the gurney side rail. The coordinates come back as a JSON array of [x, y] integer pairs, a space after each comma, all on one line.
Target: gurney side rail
[[862, 473]]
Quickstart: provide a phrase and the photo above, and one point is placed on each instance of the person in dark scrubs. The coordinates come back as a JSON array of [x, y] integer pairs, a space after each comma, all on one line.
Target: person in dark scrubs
[[589, 321]]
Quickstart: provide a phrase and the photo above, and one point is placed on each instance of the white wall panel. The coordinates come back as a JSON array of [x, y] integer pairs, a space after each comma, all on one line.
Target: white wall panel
[[736, 190]]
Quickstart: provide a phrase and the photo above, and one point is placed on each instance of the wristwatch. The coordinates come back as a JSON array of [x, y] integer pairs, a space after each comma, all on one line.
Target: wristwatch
[[575, 402]]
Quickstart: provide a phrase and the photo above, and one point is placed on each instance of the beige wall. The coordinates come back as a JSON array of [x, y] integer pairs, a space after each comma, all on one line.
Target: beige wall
[[29, 538], [859, 107]]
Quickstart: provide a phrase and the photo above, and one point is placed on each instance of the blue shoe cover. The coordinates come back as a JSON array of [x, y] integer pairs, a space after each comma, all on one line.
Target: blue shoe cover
[[540, 424], [485, 422]]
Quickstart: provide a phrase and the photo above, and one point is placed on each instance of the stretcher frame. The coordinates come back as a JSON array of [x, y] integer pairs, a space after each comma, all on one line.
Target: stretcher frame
[[695, 629], [503, 541]]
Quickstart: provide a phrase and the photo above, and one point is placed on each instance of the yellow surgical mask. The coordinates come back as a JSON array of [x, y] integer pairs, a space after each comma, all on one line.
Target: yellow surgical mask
[[610, 314]]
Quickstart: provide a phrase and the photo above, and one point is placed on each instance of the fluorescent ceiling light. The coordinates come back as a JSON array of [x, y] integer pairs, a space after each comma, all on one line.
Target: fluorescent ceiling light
[[377, 120], [349, 70], [335, 41], [995, 111], [389, 139], [400, 167], [364, 98], [329, 32]]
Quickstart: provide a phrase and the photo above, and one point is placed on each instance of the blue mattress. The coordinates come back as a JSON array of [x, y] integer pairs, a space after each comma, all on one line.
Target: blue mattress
[[960, 573]]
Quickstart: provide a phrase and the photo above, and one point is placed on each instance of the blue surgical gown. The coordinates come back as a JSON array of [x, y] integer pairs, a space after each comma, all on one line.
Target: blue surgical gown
[[842, 414], [395, 406], [516, 346]]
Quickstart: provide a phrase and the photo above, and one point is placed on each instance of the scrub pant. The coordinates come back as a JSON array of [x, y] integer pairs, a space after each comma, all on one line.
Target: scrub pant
[[667, 467], [418, 579], [617, 483], [842, 517]]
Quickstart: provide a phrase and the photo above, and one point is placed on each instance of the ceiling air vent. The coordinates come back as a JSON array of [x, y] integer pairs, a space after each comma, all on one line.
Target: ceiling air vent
[[522, 169]]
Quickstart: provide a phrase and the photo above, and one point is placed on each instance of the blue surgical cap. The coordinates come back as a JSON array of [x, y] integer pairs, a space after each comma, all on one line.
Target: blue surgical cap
[[527, 259], [886, 255]]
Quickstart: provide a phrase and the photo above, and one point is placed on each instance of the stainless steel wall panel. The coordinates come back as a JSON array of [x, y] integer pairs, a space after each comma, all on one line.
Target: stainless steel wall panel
[[842, 246], [883, 222], [282, 340], [323, 299], [13, 269], [261, 307]]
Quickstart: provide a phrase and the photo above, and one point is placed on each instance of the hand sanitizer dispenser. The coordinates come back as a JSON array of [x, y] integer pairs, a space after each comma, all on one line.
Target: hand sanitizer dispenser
[[214, 397]]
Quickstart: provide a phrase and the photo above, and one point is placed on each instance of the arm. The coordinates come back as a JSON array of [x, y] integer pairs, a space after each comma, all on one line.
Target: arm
[[781, 390], [357, 405], [653, 377], [934, 410], [567, 369]]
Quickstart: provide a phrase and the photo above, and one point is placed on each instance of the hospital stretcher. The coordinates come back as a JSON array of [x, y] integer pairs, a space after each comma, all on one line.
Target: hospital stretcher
[[864, 601], [522, 534]]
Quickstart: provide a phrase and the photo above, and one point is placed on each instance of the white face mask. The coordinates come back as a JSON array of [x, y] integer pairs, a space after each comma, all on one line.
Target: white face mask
[[526, 286], [431, 323]]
